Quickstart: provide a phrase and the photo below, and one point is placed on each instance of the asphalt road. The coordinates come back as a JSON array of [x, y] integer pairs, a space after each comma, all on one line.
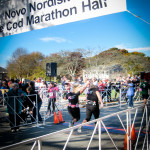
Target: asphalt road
[[78, 140]]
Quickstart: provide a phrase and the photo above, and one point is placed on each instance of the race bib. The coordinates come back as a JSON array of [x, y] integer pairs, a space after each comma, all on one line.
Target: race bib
[[51, 94]]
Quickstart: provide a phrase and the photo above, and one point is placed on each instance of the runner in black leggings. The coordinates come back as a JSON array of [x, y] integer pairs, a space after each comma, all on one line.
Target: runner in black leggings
[[92, 104], [73, 102]]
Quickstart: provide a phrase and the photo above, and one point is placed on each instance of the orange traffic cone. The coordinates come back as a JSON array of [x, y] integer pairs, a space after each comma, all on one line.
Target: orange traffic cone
[[56, 121], [133, 135], [60, 117], [133, 138], [126, 141]]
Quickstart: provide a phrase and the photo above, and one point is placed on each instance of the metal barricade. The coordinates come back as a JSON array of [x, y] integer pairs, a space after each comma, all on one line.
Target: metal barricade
[[16, 114], [45, 99], [130, 115], [3, 93]]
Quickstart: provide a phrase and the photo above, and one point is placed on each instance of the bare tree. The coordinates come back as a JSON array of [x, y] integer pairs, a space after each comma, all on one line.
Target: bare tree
[[73, 62]]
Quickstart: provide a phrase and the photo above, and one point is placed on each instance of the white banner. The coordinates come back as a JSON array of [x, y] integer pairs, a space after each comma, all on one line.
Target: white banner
[[17, 16]]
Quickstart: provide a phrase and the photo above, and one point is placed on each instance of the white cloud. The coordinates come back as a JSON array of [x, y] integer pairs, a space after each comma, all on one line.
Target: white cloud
[[142, 49], [123, 46], [54, 39], [139, 49]]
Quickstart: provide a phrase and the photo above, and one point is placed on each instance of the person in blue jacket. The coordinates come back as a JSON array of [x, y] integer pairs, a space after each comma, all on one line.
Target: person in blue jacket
[[130, 93]]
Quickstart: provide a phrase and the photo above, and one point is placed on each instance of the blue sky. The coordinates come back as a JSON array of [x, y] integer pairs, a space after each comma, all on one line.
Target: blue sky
[[122, 30]]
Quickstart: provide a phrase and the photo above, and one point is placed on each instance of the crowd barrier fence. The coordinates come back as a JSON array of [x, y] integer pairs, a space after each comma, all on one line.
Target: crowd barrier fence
[[127, 125], [60, 103]]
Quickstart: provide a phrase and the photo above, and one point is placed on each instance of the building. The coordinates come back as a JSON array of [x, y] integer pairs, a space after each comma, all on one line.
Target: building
[[3, 73], [103, 72]]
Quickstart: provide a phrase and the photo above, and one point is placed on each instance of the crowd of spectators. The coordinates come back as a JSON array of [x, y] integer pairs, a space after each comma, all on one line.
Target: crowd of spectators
[[129, 86], [21, 99]]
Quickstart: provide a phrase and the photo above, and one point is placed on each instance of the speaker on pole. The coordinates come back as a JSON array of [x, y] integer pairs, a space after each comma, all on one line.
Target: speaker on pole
[[142, 75], [48, 69], [51, 69]]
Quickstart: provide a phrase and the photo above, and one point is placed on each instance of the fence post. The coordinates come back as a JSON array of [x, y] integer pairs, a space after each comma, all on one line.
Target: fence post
[[100, 135], [140, 129], [147, 125], [15, 111], [120, 97], [68, 139], [45, 108], [127, 119], [139, 94], [39, 145], [106, 97], [34, 144], [44, 111], [3, 100], [130, 143], [37, 119]]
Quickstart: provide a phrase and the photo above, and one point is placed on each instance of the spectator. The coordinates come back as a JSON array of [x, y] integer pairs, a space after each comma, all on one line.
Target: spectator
[[4, 85], [79, 80], [14, 106], [42, 88], [95, 82], [117, 88], [32, 85], [38, 103], [63, 83], [144, 90], [43, 85], [130, 93], [24, 87], [108, 88], [101, 86]]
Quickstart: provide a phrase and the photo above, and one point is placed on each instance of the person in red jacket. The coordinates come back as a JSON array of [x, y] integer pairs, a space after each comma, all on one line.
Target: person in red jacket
[[102, 86]]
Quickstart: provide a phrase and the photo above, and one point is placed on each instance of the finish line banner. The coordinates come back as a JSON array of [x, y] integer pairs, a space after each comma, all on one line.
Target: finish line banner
[[22, 16]]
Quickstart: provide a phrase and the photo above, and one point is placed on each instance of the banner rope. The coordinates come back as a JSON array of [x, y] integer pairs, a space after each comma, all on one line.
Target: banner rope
[[138, 17]]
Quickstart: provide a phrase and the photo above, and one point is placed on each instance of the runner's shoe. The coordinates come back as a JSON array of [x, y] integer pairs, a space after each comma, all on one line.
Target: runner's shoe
[[48, 114], [12, 130], [71, 123], [79, 129], [17, 129]]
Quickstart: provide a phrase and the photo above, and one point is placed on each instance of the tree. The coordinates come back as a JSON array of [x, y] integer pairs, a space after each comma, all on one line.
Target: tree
[[16, 63], [90, 56], [22, 65], [73, 63], [19, 52], [34, 60]]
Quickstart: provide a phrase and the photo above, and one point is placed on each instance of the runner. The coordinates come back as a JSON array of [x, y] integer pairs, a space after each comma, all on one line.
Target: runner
[[52, 98], [92, 104], [144, 87], [73, 99]]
